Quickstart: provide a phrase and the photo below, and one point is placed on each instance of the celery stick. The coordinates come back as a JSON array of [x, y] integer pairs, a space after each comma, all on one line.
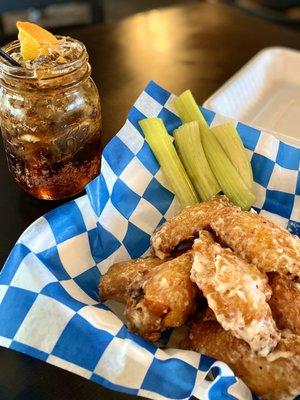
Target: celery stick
[[229, 139], [188, 110], [229, 179], [159, 141], [189, 146], [226, 174]]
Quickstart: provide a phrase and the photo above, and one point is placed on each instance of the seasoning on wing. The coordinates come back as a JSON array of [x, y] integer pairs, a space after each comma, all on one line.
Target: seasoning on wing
[[285, 302], [186, 225], [237, 292], [114, 284], [275, 377], [163, 298], [259, 241], [253, 237]]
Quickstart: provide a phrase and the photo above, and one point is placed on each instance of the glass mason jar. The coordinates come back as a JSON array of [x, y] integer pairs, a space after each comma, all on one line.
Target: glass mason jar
[[51, 125]]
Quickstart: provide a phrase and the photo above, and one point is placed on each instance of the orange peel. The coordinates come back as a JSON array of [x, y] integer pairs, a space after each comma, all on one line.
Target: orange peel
[[35, 40]]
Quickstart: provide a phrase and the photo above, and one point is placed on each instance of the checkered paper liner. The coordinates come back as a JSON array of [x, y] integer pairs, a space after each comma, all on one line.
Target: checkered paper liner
[[49, 302]]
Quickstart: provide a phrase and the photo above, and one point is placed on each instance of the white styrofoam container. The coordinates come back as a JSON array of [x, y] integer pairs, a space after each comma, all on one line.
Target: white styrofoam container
[[265, 94]]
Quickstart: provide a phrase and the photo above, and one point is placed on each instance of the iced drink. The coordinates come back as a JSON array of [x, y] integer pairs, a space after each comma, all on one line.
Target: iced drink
[[51, 119]]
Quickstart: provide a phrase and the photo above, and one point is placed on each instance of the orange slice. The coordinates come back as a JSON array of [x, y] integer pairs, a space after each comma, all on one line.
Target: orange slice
[[35, 40]]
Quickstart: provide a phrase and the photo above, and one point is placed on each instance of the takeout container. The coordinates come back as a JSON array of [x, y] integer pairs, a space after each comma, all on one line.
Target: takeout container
[[264, 93], [49, 301]]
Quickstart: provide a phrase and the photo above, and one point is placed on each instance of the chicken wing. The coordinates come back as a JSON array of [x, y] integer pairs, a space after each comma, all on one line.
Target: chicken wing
[[275, 377], [114, 284], [237, 292], [259, 241], [186, 225], [163, 298], [253, 237], [285, 303]]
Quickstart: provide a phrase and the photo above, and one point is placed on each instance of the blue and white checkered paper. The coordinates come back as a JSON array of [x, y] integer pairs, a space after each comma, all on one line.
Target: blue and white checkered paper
[[49, 302]]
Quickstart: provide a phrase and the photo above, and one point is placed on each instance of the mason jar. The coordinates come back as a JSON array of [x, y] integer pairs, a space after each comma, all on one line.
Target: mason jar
[[50, 120]]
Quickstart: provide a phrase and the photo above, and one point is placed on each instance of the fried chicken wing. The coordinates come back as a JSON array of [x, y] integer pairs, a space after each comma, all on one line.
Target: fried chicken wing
[[259, 241], [163, 298], [285, 303], [253, 237], [237, 292], [186, 225], [114, 284], [275, 377]]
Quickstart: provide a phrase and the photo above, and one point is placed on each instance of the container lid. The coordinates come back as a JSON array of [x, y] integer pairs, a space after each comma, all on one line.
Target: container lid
[[265, 94]]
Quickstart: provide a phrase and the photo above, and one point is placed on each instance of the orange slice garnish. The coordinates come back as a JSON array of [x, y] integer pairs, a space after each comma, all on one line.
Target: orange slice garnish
[[35, 41]]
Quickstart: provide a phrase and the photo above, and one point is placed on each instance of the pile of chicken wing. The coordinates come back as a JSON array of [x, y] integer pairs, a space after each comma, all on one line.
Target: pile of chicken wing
[[236, 288]]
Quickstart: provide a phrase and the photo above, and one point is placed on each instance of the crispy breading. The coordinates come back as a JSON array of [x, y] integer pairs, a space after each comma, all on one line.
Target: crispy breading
[[253, 237], [163, 298], [114, 284], [259, 241], [186, 225], [237, 292], [275, 377], [285, 303]]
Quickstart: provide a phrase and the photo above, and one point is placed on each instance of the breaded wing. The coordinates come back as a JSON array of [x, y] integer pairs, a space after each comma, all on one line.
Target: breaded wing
[[186, 225], [285, 303], [251, 236], [237, 292], [114, 284], [275, 377], [259, 241], [163, 298]]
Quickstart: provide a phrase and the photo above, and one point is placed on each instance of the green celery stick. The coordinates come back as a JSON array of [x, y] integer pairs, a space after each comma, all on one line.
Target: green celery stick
[[189, 146], [159, 141], [229, 139], [188, 110], [228, 177], [226, 174]]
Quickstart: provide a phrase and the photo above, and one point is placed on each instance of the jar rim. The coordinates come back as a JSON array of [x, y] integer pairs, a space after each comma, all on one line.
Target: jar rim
[[33, 73]]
